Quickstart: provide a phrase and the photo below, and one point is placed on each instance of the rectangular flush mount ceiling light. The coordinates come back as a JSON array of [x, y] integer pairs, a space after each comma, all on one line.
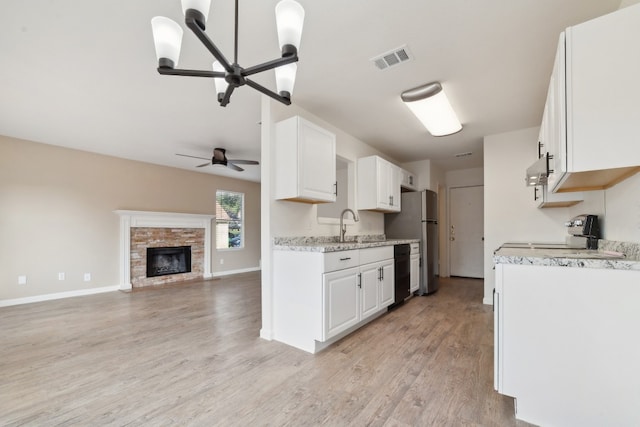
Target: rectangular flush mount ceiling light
[[431, 106]]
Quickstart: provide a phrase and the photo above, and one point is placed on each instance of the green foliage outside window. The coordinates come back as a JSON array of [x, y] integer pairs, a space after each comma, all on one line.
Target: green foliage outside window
[[229, 221]]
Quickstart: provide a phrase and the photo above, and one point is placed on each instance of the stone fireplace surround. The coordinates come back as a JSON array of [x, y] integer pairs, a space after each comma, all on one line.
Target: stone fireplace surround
[[141, 220]]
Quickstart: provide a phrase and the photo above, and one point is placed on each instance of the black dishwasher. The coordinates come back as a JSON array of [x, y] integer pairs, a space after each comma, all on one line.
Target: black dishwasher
[[402, 273]]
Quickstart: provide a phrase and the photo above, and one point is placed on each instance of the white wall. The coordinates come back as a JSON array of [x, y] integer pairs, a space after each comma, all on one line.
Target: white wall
[[622, 211], [57, 215], [509, 212]]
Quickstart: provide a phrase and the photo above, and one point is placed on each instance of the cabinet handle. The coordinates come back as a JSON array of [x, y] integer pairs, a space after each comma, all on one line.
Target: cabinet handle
[[411, 180], [535, 193], [335, 186], [345, 259], [360, 280], [549, 157], [540, 145], [381, 274]]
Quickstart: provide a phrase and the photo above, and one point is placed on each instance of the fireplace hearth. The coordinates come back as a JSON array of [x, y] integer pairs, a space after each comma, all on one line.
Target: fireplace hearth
[[168, 260]]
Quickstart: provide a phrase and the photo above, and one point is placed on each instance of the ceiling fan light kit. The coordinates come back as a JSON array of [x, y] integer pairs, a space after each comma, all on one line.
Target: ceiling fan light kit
[[431, 106], [167, 36]]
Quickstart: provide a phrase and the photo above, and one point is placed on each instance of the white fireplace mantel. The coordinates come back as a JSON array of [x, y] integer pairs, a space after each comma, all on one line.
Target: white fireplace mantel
[[129, 219]]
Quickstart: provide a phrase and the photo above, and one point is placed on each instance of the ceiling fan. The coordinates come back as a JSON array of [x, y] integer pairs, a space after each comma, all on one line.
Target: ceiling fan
[[220, 158]]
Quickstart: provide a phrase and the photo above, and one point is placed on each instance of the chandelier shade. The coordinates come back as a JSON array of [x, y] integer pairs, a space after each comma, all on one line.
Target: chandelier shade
[[220, 83], [286, 78], [289, 20], [201, 6], [167, 37], [229, 75]]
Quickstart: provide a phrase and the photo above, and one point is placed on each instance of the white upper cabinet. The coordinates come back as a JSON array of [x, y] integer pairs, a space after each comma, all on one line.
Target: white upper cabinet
[[597, 134], [407, 180], [378, 185], [305, 162]]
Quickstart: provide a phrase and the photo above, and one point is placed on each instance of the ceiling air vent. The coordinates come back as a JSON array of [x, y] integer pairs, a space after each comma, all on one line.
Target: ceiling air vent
[[468, 153], [392, 58]]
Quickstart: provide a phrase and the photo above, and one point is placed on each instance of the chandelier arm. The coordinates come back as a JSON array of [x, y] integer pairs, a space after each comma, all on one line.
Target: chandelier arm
[[227, 96], [190, 73], [235, 39], [206, 41], [269, 65], [264, 90]]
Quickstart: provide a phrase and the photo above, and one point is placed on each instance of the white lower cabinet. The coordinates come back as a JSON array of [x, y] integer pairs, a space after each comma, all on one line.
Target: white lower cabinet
[[320, 297], [356, 294]]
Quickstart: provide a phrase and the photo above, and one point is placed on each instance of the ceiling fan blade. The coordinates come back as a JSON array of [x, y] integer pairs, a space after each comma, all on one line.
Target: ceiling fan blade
[[230, 165], [203, 165], [193, 157], [245, 162]]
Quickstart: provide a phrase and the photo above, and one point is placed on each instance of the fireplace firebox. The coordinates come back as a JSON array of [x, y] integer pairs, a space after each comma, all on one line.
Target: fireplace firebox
[[168, 260]]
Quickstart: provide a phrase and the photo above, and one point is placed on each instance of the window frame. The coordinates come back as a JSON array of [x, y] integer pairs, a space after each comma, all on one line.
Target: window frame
[[230, 220]]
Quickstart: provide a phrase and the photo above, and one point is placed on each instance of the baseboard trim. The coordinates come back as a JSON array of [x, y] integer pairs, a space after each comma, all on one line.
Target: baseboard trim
[[58, 295], [230, 272]]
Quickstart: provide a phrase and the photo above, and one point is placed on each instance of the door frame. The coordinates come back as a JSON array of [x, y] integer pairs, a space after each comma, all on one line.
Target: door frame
[[448, 225]]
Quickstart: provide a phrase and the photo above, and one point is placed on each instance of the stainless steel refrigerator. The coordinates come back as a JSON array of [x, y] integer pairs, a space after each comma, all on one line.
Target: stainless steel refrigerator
[[418, 220]]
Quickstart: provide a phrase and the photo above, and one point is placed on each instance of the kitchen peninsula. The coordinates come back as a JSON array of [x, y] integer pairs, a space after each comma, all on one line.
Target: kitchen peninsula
[[565, 328], [325, 289]]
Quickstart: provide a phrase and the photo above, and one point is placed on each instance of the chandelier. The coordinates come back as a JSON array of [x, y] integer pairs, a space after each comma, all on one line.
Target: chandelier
[[227, 76]]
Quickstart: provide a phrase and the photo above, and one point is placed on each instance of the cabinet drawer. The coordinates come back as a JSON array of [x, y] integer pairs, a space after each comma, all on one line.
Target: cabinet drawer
[[375, 254], [415, 248], [340, 260]]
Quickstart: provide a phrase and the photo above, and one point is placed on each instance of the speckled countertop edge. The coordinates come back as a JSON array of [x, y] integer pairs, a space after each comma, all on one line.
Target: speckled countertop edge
[[331, 243], [578, 258]]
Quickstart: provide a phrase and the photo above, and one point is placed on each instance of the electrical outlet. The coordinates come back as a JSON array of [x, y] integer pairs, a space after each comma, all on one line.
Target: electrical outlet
[[22, 280], [87, 277], [221, 261], [60, 276]]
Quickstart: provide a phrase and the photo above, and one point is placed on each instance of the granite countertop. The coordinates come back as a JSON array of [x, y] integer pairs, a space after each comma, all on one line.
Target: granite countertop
[[331, 243], [611, 255]]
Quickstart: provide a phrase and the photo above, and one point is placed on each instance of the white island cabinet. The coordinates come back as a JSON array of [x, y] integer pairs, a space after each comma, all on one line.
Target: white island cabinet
[[566, 344], [321, 297], [305, 162], [378, 185]]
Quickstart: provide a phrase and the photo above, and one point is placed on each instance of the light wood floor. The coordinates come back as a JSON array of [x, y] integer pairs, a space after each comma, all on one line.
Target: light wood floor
[[191, 355]]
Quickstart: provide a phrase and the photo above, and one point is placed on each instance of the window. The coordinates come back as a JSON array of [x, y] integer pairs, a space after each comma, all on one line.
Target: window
[[229, 219]]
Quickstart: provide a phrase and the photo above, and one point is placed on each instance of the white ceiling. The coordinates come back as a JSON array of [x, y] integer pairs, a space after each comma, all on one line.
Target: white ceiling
[[82, 74]]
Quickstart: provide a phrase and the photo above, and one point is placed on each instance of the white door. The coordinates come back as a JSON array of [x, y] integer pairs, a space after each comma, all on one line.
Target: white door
[[466, 231]]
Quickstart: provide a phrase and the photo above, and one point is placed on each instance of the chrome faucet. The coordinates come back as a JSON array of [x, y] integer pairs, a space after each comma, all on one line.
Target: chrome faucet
[[343, 228]]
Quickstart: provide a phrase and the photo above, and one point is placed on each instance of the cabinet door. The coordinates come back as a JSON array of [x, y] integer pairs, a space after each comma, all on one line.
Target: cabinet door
[[603, 66], [378, 185], [382, 183], [415, 273], [369, 292], [317, 162], [393, 187], [341, 308], [387, 285], [305, 162]]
